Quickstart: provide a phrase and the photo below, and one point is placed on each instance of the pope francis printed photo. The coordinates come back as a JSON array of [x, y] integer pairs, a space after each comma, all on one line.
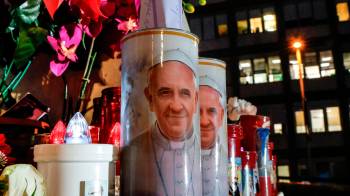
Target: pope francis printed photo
[[166, 154], [214, 156]]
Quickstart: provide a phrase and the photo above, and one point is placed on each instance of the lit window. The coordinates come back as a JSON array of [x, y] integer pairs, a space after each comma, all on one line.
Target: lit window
[[270, 22], [222, 30], [256, 25], [346, 60], [260, 75], [283, 171], [294, 67], [300, 123], [221, 22], [312, 72], [343, 11], [256, 21], [312, 68], [326, 63], [242, 26], [275, 71], [246, 73], [269, 18], [333, 119], [277, 128], [242, 22], [317, 120]]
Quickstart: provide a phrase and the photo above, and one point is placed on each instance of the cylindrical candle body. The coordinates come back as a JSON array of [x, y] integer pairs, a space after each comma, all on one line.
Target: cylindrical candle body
[[235, 134], [249, 181], [213, 126], [160, 114], [111, 111], [274, 175], [250, 124]]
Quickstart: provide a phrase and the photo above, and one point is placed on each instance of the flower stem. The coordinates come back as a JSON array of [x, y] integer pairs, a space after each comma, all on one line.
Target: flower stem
[[88, 59], [7, 72], [16, 80], [22, 75], [86, 76]]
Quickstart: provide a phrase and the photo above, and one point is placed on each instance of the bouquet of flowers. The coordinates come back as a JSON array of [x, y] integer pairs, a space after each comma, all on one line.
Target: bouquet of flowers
[[70, 27], [73, 31]]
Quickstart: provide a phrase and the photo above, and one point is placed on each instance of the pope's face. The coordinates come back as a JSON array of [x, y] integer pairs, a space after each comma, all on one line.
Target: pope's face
[[211, 115], [172, 97]]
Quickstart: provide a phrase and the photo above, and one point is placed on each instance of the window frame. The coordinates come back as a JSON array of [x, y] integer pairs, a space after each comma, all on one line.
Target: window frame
[[267, 69], [281, 128], [318, 61], [216, 23], [202, 29], [348, 11], [347, 68], [246, 16], [297, 6], [325, 120]]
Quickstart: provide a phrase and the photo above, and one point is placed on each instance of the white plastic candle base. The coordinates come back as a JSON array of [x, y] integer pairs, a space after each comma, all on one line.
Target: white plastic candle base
[[77, 169]]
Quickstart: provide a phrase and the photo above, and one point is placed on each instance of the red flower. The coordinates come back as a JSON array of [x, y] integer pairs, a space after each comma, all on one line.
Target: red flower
[[89, 8], [4, 148]]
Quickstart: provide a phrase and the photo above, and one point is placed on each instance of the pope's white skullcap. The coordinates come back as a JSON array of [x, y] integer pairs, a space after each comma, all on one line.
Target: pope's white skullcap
[[174, 55], [205, 80]]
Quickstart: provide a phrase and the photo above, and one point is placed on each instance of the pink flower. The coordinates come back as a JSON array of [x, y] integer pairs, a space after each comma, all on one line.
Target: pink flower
[[65, 46], [127, 25]]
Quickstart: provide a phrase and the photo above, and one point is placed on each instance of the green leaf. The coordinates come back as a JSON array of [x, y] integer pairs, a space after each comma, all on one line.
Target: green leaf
[[37, 34], [27, 43], [12, 26], [25, 49], [29, 11]]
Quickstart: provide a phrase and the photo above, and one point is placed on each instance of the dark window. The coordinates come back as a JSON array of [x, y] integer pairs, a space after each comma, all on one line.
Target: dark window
[[304, 9], [208, 28], [196, 27], [320, 10], [290, 12], [309, 9]]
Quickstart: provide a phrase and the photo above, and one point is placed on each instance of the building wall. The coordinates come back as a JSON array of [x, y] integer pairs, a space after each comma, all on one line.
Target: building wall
[[324, 27]]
